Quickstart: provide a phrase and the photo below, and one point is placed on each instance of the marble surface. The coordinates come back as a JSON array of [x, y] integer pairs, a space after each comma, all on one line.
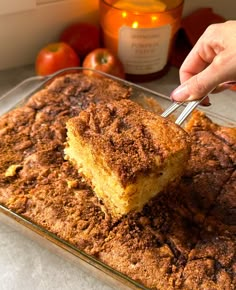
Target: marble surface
[[25, 264]]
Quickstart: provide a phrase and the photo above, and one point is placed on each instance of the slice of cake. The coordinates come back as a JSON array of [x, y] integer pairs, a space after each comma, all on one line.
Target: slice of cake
[[126, 153]]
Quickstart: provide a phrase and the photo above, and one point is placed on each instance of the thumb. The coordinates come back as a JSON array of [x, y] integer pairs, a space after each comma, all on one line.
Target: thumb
[[201, 84], [193, 89]]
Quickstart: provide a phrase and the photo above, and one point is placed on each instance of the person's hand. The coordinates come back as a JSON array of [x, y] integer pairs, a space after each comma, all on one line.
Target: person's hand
[[210, 64]]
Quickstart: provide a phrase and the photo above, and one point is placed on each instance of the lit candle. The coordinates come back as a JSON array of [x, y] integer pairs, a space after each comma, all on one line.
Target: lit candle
[[140, 32]]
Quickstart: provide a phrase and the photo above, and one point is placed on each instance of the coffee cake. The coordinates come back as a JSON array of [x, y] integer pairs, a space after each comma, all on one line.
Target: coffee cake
[[126, 153], [184, 238]]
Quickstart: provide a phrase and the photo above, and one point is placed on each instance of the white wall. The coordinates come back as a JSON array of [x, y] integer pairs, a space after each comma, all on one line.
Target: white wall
[[23, 33]]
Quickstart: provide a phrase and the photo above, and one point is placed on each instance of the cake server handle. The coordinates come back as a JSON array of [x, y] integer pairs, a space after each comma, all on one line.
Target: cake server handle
[[191, 105], [188, 110], [185, 113]]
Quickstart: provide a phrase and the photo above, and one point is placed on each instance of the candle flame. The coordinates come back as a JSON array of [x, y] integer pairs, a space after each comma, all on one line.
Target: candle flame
[[154, 18], [124, 14], [135, 24]]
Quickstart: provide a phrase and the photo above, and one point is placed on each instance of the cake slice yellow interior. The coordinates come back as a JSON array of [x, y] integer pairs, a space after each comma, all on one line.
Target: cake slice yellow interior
[[127, 154]]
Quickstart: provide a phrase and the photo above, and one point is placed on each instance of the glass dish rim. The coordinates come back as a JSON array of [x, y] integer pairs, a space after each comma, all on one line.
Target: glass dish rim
[[80, 254], [46, 79], [93, 261]]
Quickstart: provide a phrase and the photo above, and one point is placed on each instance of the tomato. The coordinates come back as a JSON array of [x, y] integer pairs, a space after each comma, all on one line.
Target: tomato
[[54, 57], [82, 37], [103, 60]]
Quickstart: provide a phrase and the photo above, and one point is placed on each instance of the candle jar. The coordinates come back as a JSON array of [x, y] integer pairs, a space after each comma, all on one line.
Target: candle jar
[[141, 33]]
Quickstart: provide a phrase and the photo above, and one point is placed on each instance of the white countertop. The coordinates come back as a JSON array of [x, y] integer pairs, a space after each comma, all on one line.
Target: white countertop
[[24, 264]]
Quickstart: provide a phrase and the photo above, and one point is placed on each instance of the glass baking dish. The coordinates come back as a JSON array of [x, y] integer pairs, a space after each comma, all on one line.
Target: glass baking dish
[[17, 97]]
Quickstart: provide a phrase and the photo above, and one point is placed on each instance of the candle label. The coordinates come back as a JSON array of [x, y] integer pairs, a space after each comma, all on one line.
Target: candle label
[[144, 50]]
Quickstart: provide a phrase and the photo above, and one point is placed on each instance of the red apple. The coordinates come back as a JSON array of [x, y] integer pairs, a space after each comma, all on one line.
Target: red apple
[[103, 60], [54, 57], [82, 37]]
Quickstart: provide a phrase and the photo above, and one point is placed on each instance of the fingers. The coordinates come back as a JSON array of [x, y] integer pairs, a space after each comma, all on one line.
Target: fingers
[[197, 60], [210, 63], [224, 86], [200, 56], [219, 71]]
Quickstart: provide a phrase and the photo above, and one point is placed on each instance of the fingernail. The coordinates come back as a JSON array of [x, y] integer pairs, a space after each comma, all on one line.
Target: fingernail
[[231, 83], [179, 94], [205, 104], [191, 98]]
